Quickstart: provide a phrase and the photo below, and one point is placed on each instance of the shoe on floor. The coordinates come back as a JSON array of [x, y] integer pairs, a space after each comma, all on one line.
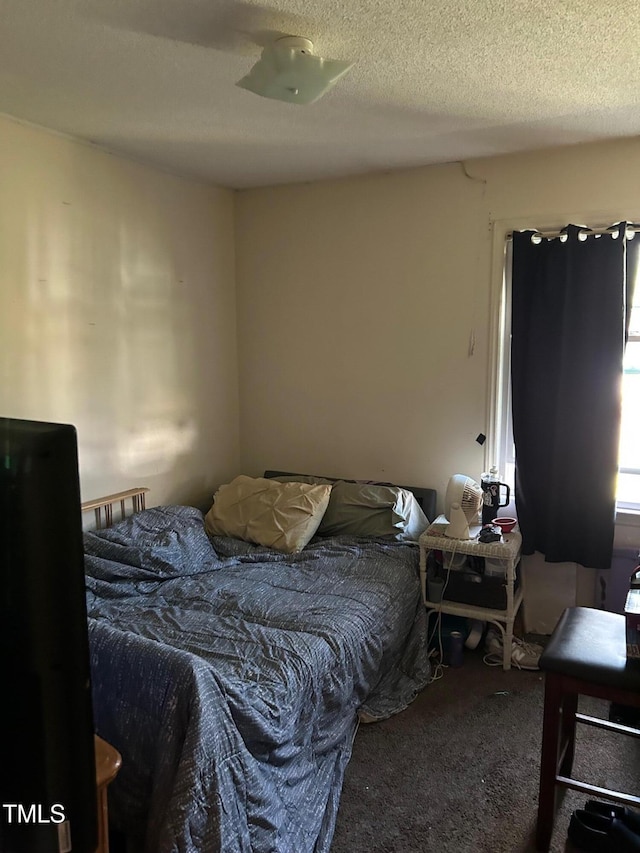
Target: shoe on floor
[[596, 833], [590, 832], [627, 816], [523, 655]]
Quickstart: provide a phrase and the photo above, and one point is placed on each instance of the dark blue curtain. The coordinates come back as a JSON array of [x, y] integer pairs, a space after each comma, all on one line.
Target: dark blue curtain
[[570, 314]]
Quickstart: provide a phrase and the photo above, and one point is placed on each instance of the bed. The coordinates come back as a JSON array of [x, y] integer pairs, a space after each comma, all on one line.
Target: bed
[[232, 676]]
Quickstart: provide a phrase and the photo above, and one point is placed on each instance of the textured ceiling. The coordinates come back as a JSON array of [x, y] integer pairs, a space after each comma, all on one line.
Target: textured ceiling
[[434, 80]]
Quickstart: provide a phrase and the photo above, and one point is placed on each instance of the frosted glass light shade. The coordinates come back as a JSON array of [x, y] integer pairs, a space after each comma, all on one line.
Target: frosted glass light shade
[[288, 70]]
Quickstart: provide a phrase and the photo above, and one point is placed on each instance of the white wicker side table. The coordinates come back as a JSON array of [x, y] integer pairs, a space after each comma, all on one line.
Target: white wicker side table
[[507, 551]]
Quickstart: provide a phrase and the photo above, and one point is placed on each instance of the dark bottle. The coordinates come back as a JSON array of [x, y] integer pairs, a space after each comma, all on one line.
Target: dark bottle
[[456, 644], [491, 503]]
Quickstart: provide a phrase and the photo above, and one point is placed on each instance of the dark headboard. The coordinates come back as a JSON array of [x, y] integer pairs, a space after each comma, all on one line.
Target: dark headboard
[[425, 497]]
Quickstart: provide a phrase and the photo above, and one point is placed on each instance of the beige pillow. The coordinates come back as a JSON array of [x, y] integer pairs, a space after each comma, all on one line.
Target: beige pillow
[[278, 515]]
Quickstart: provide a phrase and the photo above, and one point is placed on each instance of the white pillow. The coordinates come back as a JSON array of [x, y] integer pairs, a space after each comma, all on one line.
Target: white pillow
[[277, 515]]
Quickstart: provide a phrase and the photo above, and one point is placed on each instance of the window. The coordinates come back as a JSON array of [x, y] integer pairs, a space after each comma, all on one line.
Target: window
[[629, 454], [505, 451], [628, 487]]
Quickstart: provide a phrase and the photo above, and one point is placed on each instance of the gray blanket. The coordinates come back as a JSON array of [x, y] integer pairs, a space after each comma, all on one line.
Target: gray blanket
[[230, 677]]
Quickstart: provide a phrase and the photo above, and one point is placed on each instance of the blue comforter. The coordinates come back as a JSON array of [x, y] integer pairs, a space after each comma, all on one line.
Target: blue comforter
[[230, 677]]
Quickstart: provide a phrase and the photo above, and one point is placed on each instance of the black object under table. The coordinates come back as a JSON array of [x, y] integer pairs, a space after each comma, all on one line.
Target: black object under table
[[586, 656]]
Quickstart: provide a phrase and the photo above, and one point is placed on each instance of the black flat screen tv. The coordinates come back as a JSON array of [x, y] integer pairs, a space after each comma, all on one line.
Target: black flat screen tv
[[47, 759]]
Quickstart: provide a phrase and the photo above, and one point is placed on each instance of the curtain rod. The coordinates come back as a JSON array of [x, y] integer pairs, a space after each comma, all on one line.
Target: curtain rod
[[585, 228]]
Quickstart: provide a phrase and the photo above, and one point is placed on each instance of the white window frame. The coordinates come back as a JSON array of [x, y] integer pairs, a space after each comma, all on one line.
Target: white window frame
[[499, 446]]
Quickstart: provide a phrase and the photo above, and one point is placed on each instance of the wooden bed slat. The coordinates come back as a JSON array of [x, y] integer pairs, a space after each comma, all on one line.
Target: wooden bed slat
[[105, 505]]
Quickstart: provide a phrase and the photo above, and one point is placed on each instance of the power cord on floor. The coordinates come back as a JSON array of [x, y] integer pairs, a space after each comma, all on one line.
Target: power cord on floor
[[440, 666]]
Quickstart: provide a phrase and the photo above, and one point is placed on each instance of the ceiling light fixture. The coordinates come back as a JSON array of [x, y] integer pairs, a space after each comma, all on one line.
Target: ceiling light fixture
[[288, 70]]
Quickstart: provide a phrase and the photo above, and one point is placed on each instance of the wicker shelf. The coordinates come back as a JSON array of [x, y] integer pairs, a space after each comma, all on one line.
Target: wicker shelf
[[507, 551]]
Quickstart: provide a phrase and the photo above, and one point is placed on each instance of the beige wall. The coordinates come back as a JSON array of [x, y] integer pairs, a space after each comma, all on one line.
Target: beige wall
[[117, 314], [365, 311], [356, 304]]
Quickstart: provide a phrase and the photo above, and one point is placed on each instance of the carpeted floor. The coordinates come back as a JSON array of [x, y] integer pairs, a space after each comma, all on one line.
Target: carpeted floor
[[457, 772]]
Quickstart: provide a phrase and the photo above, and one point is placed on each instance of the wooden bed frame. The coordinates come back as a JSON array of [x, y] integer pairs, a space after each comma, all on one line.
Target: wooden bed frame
[[106, 504]]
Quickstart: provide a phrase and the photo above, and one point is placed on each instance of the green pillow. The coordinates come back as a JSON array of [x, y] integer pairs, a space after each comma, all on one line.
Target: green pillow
[[368, 509]]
